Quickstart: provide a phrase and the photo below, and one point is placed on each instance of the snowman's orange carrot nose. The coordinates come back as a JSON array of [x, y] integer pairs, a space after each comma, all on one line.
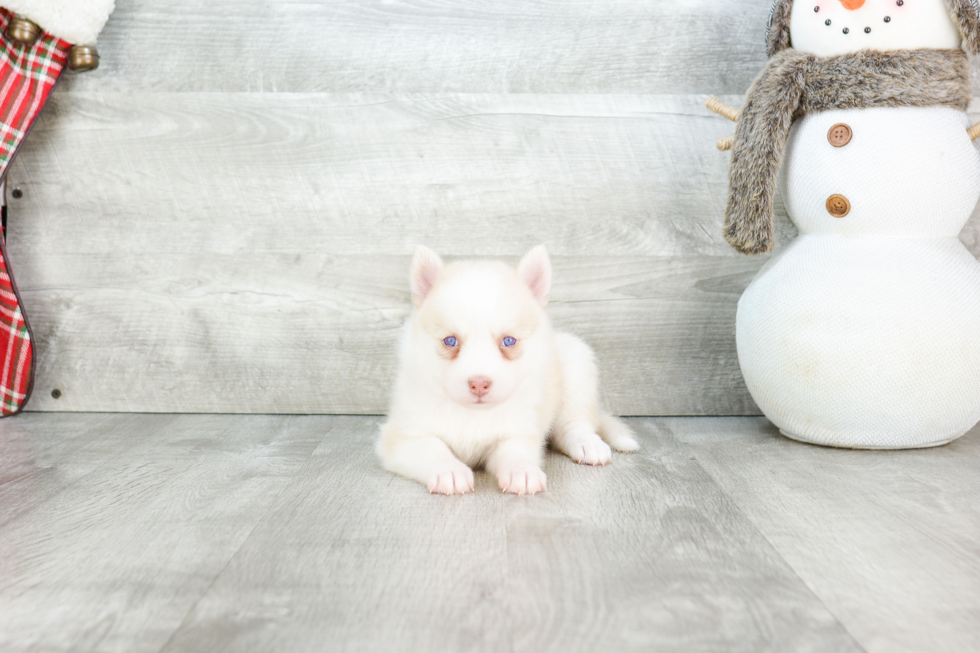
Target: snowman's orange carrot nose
[[852, 4]]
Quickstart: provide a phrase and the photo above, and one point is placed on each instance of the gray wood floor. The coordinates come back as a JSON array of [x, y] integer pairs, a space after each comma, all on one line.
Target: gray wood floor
[[280, 533]]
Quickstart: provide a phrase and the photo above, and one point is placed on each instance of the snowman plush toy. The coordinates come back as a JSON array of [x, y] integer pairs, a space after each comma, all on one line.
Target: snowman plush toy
[[863, 332]]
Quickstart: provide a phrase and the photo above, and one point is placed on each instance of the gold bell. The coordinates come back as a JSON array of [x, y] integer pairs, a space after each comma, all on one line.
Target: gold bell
[[82, 58], [23, 31]]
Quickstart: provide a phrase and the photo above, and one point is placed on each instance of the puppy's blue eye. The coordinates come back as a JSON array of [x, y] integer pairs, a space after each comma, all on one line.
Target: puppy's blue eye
[[509, 342], [449, 341]]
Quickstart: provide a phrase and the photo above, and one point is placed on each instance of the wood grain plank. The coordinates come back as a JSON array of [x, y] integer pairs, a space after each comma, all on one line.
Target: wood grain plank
[[248, 253], [114, 561], [643, 554], [887, 540], [40, 458], [24, 441], [544, 46], [649, 554], [259, 533], [369, 174], [317, 333], [356, 559]]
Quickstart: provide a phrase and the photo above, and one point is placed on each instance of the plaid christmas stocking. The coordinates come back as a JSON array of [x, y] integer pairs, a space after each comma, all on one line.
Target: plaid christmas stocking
[[27, 75]]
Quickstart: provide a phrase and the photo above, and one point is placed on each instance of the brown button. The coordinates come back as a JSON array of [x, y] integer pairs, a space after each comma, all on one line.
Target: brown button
[[839, 135], [838, 206]]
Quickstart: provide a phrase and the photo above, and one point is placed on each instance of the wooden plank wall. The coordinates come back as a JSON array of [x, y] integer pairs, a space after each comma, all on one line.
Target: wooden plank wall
[[220, 218]]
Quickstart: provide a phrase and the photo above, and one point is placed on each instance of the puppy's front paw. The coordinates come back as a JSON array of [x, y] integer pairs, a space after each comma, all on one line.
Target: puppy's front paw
[[456, 480], [530, 481], [593, 453], [587, 449]]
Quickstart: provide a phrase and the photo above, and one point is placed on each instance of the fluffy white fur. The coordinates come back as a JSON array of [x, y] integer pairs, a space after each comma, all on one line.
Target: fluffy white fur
[[76, 21], [485, 402]]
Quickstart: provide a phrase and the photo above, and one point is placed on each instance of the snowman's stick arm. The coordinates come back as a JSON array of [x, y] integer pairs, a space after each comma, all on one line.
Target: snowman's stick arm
[[727, 111], [732, 114], [722, 109]]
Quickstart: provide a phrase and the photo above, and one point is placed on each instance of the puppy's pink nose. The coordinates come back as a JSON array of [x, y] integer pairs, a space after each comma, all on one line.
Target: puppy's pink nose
[[479, 385]]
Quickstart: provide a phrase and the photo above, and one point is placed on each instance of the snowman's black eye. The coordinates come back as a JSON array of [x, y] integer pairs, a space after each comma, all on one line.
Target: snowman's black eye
[[867, 30], [827, 22], [847, 31], [816, 9], [900, 2], [888, 19]]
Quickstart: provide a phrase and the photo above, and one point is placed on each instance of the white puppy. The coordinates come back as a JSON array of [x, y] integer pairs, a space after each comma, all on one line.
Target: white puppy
[[484, 381]]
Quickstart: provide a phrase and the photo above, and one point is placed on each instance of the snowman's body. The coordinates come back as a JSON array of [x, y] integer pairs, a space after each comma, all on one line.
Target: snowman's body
[[865, 331]]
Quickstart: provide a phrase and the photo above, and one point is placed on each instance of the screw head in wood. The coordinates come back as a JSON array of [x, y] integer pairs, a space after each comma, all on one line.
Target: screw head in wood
[[82, 58], [23, 31]]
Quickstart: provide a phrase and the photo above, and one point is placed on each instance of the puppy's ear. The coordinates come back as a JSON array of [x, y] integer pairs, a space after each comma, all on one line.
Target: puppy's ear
[[426, 268], [535, 269]]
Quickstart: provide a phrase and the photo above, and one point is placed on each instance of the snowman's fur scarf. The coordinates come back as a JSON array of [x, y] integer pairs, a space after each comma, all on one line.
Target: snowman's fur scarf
[[777, 31], [965, 13], [541, 386], [796, 83]]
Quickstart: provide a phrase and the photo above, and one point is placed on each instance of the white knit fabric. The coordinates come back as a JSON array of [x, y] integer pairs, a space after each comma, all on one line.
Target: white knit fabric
[[865, 331], [906, 172], [865, 341], [76, 21]]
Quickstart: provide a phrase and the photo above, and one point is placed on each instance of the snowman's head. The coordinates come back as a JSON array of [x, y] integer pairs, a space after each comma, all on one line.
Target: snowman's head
[[831, 27]]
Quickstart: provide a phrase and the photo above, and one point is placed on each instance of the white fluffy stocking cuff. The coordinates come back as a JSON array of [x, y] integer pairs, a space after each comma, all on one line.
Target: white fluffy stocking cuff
[[76, 21]]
